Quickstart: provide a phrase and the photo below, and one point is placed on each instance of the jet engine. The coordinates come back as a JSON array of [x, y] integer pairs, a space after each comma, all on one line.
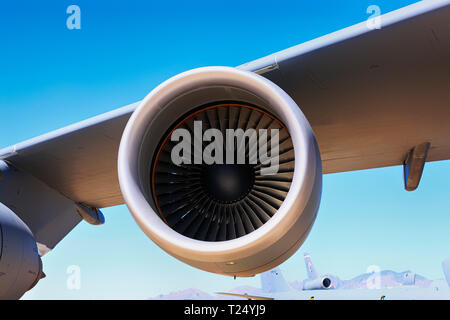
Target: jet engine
[[317, 284], [20, 262], [221, 169]]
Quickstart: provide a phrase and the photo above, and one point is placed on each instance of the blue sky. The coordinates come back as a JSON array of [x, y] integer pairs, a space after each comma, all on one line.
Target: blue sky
[[52, 77]]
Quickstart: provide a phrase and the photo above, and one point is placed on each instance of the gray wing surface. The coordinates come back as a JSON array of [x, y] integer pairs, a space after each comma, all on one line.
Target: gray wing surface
[[370, 96], [79, 161]]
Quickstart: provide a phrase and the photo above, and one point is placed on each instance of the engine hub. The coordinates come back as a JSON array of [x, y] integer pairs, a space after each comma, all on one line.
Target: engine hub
[[228, 183]]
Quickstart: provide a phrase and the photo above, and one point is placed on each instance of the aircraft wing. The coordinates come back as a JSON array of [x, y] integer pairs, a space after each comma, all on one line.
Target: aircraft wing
[[80, 161], [369, 95]]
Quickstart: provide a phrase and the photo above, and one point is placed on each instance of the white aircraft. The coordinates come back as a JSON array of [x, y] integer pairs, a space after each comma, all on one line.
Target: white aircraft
[[274, 284], [275, 287], [315, 281], [355, 99]]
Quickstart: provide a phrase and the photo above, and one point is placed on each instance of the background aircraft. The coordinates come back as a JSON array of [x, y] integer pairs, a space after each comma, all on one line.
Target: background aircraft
[[315, 281], [275, 287]]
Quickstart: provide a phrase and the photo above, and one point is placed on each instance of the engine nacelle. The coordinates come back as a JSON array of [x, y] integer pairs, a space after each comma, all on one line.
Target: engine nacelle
[[240, 217], [20, 262], [317, 284]]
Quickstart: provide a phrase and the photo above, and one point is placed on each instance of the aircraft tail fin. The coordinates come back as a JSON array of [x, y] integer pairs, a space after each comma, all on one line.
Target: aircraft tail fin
[[446, 268], [310, 269], [273, 281]]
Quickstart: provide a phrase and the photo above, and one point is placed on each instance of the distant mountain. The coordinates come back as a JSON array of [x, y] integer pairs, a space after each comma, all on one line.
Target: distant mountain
[[252, 291], [188, 294], [388, 278], [196, 294]]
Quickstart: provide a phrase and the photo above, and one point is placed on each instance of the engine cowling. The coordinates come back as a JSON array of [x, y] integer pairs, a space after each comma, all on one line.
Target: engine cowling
[[317, 284], [238, 217], [20, 262]]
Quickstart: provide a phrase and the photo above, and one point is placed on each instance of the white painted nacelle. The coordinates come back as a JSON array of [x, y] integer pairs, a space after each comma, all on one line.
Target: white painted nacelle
[[226, 219], [20, 262], [317, 284]]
